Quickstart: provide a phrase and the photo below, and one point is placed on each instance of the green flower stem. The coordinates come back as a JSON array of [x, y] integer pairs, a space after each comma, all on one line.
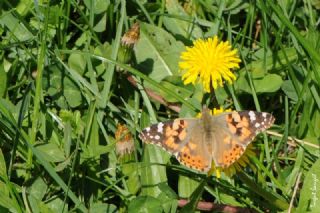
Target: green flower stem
[[38, 98]]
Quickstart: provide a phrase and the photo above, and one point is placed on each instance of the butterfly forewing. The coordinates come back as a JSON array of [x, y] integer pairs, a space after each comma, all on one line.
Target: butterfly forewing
[[236, 131], [166, 134]]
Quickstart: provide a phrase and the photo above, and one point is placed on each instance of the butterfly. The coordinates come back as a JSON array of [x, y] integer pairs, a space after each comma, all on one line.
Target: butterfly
[[197, 142]]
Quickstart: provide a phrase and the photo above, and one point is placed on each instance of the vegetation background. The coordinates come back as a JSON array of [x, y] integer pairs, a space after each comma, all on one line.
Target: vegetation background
[[65, 85]]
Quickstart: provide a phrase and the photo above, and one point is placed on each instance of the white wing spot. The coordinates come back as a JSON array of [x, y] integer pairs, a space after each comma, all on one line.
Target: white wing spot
[[236, 116], [150, 136], [147, 129], [252, 115], [160, 127], [257, 125], [157, 137], [264, 114]]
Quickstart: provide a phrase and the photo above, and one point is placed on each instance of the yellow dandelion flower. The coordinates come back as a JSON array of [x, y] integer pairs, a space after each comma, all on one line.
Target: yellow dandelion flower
[[240, 163], [214, 111], [210, 62]]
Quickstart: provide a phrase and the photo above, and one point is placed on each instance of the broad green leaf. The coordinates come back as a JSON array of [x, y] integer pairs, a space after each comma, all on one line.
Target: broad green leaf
[[310, 192], [133, 181], [229, 199], [157, 52], [186, 186], [129, 168], [38, 188], [168, 198], [16, 27], [274, 61], [145, 204], [182, 90], [77, 62], [195, 197], [177, 23], [99, 6], [24, 6], [54, 16], [38, 206], [221, 95], [61, 88], [269, 83], [103, 208], [88, 153], [289, 90], [101, 25], [6, 201], [72, 93], [57, 204], [52, 152], [152, 175]]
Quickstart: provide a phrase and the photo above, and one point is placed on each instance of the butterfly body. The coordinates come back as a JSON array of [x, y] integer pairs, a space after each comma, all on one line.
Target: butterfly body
[[196, 142]]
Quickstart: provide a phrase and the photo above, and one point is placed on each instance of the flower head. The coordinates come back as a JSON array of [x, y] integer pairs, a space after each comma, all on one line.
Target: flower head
[[131, 37], [128, 41], [210, 62], [125, 144]]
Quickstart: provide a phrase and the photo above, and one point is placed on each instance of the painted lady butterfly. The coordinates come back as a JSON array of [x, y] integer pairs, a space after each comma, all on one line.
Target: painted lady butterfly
[[197, 142]]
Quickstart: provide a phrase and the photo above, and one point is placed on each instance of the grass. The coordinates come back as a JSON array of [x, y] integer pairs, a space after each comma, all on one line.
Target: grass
[[66, 82]]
